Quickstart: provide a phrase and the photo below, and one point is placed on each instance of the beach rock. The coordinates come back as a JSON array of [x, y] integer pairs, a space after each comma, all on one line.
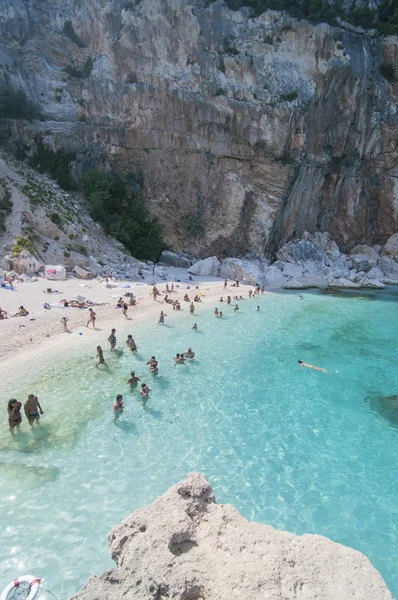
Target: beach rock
[[273, 273], [364, 257], [389, 267], [375, 273], [389, 281], [303, 251], [373, 284], [24, 262], [343, 283], [391, 247], [292, 270], [184, 546], [207, 267], [303, 284], [323, 242], [172, 259], [247, 271]]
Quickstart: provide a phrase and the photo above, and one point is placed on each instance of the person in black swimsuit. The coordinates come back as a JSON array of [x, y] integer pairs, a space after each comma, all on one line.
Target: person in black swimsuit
[[14, 414], [112, 339], [32, 409]]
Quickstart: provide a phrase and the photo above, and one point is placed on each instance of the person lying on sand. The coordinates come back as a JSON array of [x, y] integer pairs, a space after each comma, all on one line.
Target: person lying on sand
[[304, 364]]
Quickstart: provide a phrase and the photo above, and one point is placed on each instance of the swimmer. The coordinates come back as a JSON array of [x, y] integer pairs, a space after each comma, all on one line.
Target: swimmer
[[179, 359], [304, 364], [153, 365], [100, 355], [190, 354], [220, 315], [112, 339], [258, 308], [144, 391], [236, 307], [14, 414], [216, 313], [32, 408], [300, 297], [118, 406], [221, 299], [228, 299], [161, 317], [191, 308], [131, 343], [133, 380], [195, 327]]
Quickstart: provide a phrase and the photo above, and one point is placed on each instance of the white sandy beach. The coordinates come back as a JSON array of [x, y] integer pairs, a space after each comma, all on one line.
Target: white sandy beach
[[22, 338]]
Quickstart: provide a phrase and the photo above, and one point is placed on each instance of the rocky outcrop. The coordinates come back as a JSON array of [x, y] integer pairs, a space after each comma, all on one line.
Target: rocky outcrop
[[207, 267], [247, 271], [248, 131], [22, 263], [172, 259], [186, 547]]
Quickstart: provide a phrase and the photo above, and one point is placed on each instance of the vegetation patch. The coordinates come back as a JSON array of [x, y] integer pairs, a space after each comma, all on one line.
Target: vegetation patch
[[123, 213], [289, 97], [57, 164], [72, 35], [80, 72], [384, 18], [15, 105], [23, 243], [388, 72], [193, 226], [5, 205]]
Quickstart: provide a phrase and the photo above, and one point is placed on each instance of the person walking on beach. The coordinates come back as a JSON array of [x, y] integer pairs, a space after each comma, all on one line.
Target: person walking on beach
[[161, 317], [131, 343], [112, 339], [125, 309], [225, 284], [118, 406], [133, 380], [309, 366], [91, 317], [32, 409], [64, 323], [14, 414]]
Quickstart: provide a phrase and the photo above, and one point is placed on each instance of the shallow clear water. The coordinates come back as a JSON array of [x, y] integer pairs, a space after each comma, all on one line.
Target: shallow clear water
[[302, 450]]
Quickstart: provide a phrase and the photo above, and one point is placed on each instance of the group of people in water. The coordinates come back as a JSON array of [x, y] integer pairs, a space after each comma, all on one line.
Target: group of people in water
[[32, 410]]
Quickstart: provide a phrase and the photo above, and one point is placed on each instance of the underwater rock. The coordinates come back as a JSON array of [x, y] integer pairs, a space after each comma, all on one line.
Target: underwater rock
[[386, 407], [186, 547]]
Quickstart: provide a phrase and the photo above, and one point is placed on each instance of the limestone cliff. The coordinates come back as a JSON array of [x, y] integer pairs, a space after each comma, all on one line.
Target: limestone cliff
[[186, 547], [248, 132]]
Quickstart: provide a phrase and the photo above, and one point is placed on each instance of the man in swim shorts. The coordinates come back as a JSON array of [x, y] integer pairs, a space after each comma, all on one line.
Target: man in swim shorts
[[304, 364], [32, 409], [112, 339]]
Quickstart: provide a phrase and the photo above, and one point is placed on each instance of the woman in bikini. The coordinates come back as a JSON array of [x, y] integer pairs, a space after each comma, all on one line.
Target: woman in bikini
[[112, 339], [14, 414]]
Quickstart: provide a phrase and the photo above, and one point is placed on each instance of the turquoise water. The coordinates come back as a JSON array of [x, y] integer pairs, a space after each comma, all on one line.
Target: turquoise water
[[302, 450]]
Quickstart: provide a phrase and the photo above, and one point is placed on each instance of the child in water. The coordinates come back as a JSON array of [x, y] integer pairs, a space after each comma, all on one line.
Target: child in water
[[118, 406]]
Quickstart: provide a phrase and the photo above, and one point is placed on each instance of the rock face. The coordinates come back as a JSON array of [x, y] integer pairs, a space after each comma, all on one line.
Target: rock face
[[248, 131], [172, 259], [244, 270], [22, 263], [186, 547]]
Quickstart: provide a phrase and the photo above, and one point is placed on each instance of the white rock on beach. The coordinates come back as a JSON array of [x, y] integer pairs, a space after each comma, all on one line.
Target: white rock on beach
[[172, 259], [274, 274], [373, 284], [364, 257], [244, 270], [375, 273], [294, 284], [209, 266], [389, 267], [391, 247], [24, 262], [343, 283], [184, 546]]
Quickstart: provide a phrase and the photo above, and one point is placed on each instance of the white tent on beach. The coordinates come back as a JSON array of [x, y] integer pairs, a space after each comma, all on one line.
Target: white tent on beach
[[55, 272]]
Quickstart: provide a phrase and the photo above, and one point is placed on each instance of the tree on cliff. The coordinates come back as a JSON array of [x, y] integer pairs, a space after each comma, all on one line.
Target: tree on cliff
[[123, 214]]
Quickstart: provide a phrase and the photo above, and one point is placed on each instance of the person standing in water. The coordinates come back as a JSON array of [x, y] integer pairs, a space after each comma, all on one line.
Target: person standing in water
[[91, 317], [112, 339], [161, 317], [191, 308], [32, 408], [14, 414], [100, 356], [118, 406], [131, 343], [144, 391], [133, 380], [195, 327], [309, 366], [153, 364]]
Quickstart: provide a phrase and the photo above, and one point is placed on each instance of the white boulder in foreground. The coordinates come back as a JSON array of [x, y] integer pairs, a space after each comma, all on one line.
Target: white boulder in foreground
[[184, 546], [207, 267]]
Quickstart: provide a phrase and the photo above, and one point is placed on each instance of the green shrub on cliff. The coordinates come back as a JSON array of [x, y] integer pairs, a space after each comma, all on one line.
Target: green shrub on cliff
[[123, 214], [15, 105], [5, 204], [55, 163], [72, 35]]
